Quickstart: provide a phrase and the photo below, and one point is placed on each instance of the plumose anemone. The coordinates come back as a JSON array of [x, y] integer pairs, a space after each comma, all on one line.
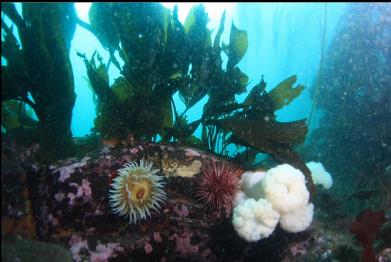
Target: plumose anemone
[[217, 186], [278, 195], [136, 191]]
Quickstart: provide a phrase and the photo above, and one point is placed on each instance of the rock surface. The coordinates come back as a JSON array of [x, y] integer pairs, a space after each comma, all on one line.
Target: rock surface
[[19, 249], [66, 203]]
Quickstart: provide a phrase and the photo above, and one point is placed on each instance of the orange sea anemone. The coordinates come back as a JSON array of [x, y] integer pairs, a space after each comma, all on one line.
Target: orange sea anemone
[[136, 191]]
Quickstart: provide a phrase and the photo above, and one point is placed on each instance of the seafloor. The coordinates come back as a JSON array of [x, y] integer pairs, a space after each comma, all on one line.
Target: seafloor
[[61, 210]]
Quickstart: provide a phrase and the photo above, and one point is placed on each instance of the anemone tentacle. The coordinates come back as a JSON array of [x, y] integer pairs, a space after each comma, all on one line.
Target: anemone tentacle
[[136, 191]]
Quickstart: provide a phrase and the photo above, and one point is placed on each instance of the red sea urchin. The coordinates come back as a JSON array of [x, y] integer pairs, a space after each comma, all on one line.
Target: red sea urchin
[[217, 186]]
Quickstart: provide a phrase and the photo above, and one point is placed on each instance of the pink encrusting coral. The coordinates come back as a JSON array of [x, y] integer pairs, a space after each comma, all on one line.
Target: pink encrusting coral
[[77, 244], [85, 185], [53, 220], [157, 237], [30, 151], [217, 186], [104, 252], [66, 171], [183, 243], [134, 150], [182, 212], [59, 196], [148, 248], [71, 198], [191, 152], [145, 242], [99, 210], [82, 191]]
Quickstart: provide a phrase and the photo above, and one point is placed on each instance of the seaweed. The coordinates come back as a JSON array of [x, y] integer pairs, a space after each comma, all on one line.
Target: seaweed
[[365, 228], [38, 72], [149, 38], [162, 56], [284, 92], [256, 126], [237, 47], [14, 114]]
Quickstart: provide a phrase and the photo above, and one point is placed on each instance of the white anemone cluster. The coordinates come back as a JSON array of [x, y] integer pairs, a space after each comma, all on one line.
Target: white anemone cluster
[[254, 220], [268, 198], [284, 186], [319, 175]]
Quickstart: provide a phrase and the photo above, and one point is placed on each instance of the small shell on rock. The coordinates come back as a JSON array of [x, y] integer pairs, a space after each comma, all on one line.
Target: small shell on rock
[[169, 165], [189, 171]]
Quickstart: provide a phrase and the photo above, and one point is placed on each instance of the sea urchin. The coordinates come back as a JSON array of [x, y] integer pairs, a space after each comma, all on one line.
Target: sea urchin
[[217, 186], [136, 190]]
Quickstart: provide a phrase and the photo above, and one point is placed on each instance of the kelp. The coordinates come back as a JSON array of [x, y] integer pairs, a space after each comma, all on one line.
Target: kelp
[[152, 48], [162, 56], [98, 77], [104, 29], [255, 124], [284, 92], [271, 137], [14, 75], [237, 46], [40, 67], [199, 57], [216, 43], [181, 130], [14, 114], [109, 108], [265, 133]]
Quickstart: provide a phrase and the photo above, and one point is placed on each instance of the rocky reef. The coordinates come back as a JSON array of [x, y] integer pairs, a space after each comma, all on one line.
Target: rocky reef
[[67, 203]]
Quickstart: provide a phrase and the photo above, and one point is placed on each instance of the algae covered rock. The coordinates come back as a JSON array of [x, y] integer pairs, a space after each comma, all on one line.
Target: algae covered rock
[[19, 249]]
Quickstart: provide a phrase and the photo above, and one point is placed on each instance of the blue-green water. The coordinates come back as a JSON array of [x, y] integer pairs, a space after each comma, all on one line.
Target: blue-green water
[[284, 39], [273, 83]]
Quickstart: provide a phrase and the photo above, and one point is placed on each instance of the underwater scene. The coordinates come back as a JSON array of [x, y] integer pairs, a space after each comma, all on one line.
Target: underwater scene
[[196, 132]]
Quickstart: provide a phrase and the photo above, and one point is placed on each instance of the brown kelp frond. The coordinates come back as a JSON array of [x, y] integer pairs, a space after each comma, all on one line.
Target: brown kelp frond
[[163, 56], [40, 67], [284, 92], [266, 131], [237, 46]]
